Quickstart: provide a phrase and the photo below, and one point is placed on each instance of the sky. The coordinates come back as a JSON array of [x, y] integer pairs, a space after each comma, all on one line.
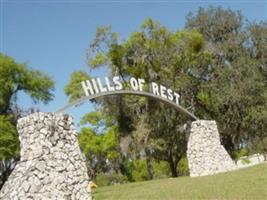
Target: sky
[[52, 36]]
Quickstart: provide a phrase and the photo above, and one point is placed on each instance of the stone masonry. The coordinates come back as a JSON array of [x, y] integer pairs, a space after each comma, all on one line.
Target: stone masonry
[[206, 155], [51, 165]]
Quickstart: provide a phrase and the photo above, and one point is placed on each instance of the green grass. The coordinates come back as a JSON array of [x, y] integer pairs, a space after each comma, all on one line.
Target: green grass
[[249, 183]]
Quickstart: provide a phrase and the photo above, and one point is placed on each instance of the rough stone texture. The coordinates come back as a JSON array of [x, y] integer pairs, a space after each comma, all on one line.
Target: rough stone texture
[[206, 155], [51, 165]]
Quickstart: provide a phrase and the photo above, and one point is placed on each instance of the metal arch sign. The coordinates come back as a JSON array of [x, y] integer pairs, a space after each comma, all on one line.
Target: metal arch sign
[[95, 88]]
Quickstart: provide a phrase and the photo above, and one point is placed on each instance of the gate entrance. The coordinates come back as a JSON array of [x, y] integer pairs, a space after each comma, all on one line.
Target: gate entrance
[[53, 166], [95, 88]]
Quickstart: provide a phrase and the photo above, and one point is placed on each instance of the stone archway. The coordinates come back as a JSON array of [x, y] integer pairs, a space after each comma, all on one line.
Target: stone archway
[[206, 155], [52, 165]]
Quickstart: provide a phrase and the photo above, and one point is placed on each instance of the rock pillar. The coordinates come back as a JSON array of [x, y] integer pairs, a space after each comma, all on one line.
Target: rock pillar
[[206, 155], [51, 165]]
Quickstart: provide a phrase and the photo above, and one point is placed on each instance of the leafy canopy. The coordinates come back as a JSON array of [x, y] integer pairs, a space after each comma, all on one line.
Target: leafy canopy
[[16, 77]]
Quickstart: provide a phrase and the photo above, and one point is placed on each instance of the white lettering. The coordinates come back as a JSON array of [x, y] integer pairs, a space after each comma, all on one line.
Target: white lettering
[[162, 91], [170, 95], [177, 96], [155, 88], [141, 84], [118, 85], [87, 86], [110, 88], [95, 85], [134, 83], [102, 89]]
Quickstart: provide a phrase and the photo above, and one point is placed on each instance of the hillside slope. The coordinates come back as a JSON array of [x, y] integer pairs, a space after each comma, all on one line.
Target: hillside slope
[[249, 183]]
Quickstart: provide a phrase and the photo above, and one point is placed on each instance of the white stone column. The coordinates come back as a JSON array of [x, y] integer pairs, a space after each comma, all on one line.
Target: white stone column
[[206, 155], [52, 165]]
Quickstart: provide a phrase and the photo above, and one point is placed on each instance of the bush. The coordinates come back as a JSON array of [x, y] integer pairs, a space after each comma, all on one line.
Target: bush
[[103, 179], [240, 153], [139, 172], [161, 169], [129, 167], [182, 167]]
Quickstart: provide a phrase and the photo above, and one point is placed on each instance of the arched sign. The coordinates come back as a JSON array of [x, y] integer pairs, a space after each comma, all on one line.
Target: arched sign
[[95, 88]]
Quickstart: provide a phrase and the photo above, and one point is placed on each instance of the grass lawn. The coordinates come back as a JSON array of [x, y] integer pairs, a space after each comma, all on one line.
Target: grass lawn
[[249, 183]]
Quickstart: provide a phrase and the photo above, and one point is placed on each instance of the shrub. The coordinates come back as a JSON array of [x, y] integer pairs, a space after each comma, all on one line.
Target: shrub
[[103, 179], [161, 169], [182, 167], [139, 172], [240, 153]]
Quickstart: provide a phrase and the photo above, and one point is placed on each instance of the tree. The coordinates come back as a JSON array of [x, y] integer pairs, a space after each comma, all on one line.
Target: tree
[[15, 78], [174, 59], [9, 147], [73, 88], [99, 143], [217, 65], [258, 48], [235, 91]]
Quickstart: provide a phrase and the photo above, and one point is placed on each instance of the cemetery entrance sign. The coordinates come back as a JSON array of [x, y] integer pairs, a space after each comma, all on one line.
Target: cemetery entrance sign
[[52, 165], [96, 87]]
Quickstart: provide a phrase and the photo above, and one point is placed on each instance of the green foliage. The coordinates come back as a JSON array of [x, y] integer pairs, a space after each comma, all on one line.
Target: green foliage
[[9, 144], [104, 38], [100, 146], [97, 120], [216, 23], [15, 77], [110, 179], [240, 153], [193, 40], [182, 167], [258, 49], [234, 93], [139, 171], [99, 60], [89, 142], [128, 169], [74, 89], [258, 145], [94, 119], [102, 179], [161, 169]]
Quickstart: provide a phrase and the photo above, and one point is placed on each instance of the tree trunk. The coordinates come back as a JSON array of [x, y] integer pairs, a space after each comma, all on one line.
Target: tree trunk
[[172, 165], [6, 170], [173, 168], [228, 143], [149, 164], [90, 171]]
